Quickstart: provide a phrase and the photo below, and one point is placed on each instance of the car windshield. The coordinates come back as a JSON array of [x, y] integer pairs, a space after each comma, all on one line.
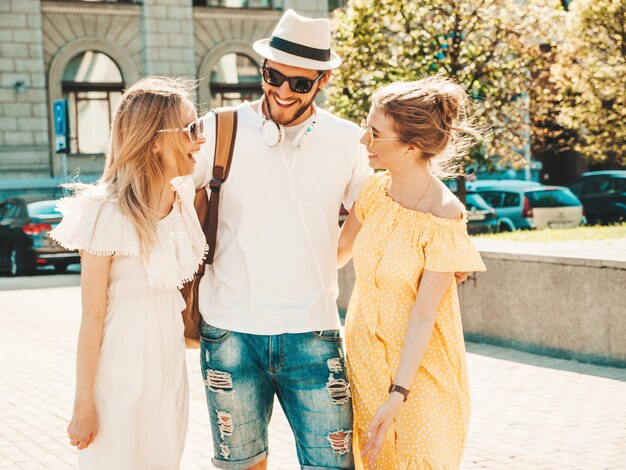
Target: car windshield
[[475, 201], [552, 198], [43, 209]]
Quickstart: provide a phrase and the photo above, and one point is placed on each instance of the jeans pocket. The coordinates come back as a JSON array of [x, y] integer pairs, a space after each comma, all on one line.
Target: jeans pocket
[[328, 335], [213, 334]]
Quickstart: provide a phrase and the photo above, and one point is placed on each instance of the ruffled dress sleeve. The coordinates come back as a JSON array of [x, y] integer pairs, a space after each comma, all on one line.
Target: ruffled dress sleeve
[[449, 248], [94, 223], [181, 243], [367, 199]]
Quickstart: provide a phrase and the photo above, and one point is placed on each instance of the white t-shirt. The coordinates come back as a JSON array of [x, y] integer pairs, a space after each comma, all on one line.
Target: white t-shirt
[[275, 266]]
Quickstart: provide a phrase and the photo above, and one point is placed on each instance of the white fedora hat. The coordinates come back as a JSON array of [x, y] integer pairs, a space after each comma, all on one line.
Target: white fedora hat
[[300, 42]]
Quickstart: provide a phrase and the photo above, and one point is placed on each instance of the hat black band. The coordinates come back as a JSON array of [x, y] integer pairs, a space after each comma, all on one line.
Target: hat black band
[[322, 55]]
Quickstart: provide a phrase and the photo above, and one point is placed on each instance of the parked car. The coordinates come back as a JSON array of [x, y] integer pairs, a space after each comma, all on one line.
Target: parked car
[[603, 194], [477, 185], [25, 243], [530, 205], [481, 217]]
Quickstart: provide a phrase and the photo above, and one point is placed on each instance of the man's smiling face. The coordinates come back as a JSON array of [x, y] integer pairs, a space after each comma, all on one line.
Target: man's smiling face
[[286, 107]]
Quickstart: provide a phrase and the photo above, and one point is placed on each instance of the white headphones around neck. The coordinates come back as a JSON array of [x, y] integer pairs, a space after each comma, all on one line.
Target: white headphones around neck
[[274, 133]]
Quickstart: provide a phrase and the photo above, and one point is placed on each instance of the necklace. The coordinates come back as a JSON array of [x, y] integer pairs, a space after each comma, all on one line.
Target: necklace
[[423, 194]]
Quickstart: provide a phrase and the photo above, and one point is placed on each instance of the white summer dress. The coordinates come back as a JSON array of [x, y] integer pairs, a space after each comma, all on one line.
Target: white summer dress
[[141, 389]]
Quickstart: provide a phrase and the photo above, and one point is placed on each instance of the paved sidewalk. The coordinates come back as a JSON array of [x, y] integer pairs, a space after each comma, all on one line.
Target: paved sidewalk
[[529, 412]]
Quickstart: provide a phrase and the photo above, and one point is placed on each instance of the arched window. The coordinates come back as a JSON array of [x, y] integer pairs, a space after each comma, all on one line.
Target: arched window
[[92, 85], [234, 79]]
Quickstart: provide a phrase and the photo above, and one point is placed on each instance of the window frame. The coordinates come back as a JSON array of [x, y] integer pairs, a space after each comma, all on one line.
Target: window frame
[[273, 5], [218, 89], [69, 87], [493, 193]]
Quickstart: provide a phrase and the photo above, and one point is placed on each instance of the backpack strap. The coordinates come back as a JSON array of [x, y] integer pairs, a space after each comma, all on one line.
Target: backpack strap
[[225, 132]]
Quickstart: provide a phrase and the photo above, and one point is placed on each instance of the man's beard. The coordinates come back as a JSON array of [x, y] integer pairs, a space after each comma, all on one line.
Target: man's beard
[[301, 110]]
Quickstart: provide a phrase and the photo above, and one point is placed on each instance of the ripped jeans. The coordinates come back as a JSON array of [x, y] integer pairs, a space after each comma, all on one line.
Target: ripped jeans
[[242, 372]]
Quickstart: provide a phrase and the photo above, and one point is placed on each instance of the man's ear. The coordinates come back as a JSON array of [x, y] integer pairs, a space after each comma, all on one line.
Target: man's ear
[[325, 79]]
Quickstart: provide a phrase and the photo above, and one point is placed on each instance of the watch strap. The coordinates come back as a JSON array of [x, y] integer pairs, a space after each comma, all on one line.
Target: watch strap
[[403, 391]]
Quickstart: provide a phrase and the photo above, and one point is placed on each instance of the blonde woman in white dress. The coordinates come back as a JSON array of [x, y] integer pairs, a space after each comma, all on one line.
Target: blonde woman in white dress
[[140, 240]]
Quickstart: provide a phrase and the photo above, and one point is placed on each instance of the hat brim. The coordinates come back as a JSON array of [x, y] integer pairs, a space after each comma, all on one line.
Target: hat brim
[[263, 48]]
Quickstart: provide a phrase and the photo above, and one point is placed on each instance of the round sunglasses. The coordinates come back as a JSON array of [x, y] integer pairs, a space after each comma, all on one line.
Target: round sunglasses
[[367, 129], [297, 84], [194, 130]]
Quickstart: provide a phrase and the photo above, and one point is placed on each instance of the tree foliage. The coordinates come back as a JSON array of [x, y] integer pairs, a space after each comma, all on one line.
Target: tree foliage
[[489, 46], [591, 71]]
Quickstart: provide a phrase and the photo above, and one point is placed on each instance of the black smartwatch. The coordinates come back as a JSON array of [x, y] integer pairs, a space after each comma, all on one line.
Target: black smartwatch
[[401, 390]]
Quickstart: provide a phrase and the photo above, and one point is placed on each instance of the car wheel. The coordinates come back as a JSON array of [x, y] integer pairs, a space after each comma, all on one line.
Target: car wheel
[[503, 227], [13, 266], [17, 266], [60, 268]]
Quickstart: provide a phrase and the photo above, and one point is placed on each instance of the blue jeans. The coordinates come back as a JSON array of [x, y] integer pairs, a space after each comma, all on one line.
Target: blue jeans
[[242, 372]]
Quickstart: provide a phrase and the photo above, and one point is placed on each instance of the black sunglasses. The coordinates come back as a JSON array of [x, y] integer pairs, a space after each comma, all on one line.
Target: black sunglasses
[[297, 84]]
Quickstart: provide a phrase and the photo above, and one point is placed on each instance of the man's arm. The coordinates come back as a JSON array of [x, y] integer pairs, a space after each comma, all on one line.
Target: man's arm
[[348, 233], [203, 171]]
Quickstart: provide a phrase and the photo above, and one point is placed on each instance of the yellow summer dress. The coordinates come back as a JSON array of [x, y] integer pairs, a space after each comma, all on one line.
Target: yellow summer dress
[[393, 248]]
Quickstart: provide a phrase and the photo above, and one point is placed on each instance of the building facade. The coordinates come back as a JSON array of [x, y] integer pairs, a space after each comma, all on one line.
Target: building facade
[[78, 56]]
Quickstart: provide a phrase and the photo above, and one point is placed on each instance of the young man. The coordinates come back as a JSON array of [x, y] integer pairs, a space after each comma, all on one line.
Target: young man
[[268, 302]]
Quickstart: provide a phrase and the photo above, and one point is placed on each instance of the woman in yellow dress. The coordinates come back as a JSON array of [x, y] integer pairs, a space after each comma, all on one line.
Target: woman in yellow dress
[[405, 349]]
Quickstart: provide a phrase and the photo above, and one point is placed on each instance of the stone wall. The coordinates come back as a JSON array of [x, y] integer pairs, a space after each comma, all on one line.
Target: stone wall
[[311, 8], [563, 307], [167, 38], [38, 38], [68, 23], [573, 308], [70, 28], [23, 111], [221, 31]]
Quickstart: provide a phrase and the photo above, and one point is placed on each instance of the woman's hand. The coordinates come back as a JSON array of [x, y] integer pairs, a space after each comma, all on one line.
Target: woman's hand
[[94, 285], [84, 425], [461, 277], [380, 425]]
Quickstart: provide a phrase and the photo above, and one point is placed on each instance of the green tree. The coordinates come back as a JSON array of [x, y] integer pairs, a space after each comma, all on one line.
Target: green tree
[[592, 72], [489, 46], [549, 133]]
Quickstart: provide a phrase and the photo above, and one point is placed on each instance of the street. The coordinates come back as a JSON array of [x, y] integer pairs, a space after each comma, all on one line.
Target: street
[[528, 412]]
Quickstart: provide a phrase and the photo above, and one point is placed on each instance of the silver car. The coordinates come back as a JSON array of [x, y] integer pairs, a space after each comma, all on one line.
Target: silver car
[[530, 205]]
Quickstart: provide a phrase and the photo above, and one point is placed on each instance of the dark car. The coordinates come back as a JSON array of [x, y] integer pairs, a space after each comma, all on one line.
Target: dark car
[[25, 243], [603, 194], [481, 217]]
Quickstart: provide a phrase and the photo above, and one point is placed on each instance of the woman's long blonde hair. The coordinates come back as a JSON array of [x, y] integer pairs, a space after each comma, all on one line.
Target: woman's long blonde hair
[[133, 173]]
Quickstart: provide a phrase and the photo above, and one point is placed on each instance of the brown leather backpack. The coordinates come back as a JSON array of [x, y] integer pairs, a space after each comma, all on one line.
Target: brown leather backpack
[[207, 210]]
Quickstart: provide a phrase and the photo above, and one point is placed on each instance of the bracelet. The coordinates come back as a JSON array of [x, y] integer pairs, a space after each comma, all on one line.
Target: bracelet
[[401, 390]]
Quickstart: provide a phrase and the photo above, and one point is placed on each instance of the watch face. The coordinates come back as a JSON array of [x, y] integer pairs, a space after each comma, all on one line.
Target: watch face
[[272, 134]]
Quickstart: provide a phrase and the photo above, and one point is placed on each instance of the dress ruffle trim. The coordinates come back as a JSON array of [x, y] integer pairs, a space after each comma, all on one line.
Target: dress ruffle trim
[[181, 238], [94, 222], [450, 249]]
